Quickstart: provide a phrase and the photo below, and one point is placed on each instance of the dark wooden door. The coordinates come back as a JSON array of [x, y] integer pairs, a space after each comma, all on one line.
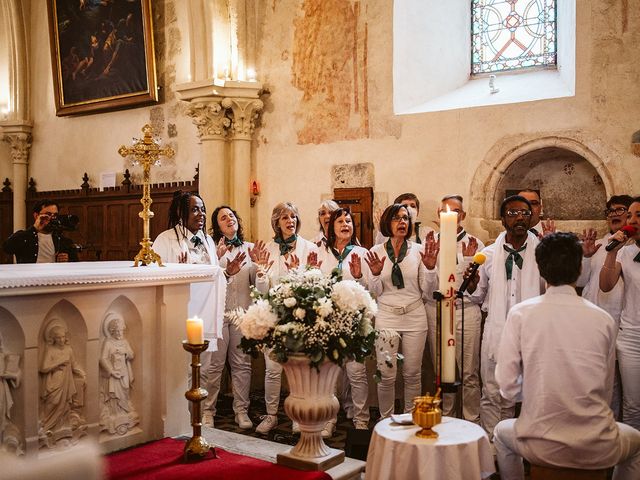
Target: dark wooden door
[[360, 202]]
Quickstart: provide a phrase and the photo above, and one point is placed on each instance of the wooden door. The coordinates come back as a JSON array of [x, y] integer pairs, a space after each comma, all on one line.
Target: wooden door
[[360, 202]]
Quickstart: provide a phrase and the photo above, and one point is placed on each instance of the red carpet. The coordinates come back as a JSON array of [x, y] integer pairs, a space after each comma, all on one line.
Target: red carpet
[[162, 460]]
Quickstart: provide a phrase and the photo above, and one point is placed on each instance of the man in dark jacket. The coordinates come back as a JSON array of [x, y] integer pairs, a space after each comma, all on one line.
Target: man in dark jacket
[[41, 243]]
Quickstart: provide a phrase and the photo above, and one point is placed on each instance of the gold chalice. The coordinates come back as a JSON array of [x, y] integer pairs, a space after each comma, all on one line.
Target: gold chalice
[[427, 414]]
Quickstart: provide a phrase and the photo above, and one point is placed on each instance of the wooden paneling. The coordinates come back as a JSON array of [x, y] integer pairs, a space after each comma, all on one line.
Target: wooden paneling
[[360, 202], [6, 222], [110, 227]]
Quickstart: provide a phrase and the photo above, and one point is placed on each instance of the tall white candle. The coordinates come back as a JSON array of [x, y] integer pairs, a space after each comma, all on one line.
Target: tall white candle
[[195, 331], [447, 273]]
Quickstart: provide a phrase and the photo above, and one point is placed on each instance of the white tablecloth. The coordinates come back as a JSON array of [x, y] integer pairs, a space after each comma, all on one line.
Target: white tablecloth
[[461, 451]]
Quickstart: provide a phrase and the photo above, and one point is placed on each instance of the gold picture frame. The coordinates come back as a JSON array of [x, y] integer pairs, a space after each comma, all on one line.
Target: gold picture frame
[[102, 55]]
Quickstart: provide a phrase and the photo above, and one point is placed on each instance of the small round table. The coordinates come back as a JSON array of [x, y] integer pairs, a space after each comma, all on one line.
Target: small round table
[[461, 451]]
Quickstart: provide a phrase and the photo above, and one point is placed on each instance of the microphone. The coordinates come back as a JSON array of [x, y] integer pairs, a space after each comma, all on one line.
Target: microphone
[[478, 259], [629, 231]]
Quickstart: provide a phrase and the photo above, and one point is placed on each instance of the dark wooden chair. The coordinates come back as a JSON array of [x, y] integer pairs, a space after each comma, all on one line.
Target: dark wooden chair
[[539, 472]]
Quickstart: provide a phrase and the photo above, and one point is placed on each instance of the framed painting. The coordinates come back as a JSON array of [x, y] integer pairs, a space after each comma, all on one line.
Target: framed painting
[[102, 55]]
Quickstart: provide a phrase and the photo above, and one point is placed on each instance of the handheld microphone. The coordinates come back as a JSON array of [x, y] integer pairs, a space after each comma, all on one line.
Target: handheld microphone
[[478, 259], [629, 231]]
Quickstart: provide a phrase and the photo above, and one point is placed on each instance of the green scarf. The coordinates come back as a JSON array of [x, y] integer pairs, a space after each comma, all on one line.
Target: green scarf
[[514, 255], [286, 245], [341, 257], [636, 258], [234, 242], [396, 273]]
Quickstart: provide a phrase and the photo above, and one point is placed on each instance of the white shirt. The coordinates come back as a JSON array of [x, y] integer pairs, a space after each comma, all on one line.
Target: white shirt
[[630, 316], [564, 348], [46, 249], [175, 241], [239, 288], [419, 283], [330, 262], [279, 268], [610, 301]]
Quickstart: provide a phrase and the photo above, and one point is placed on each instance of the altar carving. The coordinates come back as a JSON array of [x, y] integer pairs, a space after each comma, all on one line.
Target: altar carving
[[117, 415], [62, 384], [10, 376]]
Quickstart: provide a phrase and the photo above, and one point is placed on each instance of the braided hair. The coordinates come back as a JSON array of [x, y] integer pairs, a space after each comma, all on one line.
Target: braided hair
[[179, 209]]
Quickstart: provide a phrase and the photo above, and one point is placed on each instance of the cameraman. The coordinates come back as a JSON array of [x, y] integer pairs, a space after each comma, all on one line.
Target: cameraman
[[43, 242]]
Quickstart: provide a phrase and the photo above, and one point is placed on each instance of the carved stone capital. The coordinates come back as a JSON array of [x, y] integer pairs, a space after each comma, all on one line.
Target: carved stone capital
[[20, 143], [210, 119], [245, 114]]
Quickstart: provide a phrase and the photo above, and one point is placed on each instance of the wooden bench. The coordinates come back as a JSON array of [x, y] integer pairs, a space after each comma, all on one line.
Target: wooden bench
[[552, 473]]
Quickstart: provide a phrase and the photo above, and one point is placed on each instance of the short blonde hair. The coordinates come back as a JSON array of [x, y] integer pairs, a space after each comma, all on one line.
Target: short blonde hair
[[330, 205], [278, 210]]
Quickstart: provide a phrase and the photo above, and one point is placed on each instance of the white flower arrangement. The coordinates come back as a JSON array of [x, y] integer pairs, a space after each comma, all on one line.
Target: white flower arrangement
[[310, 313]]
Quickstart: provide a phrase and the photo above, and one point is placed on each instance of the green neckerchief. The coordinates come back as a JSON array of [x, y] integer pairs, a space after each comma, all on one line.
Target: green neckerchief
[[514, 255], [396, 273], [286, 245], [235, 241], [341, 257], [196, 240], [637, 258], [417, 225]]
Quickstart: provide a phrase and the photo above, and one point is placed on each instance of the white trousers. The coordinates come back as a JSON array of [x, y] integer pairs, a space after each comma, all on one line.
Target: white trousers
[[510, 460], [493, 408], [412, 348], [628, 350], [240, 364], [471, 363], [272, 384], [357, 379]]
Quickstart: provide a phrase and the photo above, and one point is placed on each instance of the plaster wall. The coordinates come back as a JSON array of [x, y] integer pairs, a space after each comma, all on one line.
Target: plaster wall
[[328, 67]]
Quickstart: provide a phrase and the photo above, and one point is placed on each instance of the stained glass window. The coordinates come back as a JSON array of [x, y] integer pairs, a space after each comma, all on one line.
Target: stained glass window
[[512, 34]]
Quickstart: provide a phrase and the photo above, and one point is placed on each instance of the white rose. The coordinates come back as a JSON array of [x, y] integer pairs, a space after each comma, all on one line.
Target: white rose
[[299, 313], [290, 302], [324, 307]]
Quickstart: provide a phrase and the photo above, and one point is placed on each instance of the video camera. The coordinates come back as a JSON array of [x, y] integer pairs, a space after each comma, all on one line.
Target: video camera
[[63, 223]]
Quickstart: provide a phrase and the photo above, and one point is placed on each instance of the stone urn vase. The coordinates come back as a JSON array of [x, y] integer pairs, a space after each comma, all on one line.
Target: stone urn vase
[[311, 403]]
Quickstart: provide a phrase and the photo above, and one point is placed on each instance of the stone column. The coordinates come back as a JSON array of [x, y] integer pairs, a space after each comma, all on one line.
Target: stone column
[[209, 117], [244, 114], [19, 139]]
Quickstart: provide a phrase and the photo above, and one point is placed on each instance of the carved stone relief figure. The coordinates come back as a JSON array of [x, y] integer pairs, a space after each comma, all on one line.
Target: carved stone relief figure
[[117, 415], [62, 385], [10, 376]]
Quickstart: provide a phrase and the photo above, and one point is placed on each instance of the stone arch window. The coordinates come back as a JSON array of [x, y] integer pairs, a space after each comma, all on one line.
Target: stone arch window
[[563, 178], [511, 35]]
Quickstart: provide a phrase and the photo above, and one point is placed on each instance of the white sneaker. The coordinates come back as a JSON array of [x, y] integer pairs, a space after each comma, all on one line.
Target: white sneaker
[[268, 423], [360, 425], [243, 421], [329, 428], [207, 419], [295, 426]]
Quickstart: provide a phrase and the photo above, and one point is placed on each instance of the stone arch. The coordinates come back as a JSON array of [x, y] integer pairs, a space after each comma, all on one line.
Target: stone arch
[[487, 178]]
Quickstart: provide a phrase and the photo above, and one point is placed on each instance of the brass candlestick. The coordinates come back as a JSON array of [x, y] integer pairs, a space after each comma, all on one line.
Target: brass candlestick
[[427, 414], [197, 447], [146, 152]]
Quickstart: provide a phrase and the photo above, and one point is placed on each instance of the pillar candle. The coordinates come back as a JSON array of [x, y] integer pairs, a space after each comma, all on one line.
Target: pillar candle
[[195, 331], [447, 273]]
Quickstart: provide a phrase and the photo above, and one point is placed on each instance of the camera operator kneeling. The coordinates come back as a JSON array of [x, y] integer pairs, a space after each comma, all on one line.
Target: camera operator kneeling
[[44, 242]]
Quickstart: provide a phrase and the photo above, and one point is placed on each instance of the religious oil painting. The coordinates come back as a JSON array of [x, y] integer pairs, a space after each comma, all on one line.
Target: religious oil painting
[[102, 55]]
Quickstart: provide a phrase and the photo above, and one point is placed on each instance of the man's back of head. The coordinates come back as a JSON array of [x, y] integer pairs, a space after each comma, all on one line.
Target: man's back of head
[[559, 258]]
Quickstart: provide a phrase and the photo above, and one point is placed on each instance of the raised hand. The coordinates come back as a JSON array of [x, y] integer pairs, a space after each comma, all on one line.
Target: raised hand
[[589, 247], [470, 249], [431, 249], [355, 266], [235, 265], [292, 262], [221, 248], [256, 251], [182, 257], [548, 227], [312, 260], [374, 262]]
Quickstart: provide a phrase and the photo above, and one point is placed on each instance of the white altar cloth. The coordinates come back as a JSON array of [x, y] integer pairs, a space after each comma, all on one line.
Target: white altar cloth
[[461, 451]]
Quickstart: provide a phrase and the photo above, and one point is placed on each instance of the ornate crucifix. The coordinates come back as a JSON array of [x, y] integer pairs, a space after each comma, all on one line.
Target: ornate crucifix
[[146, 152]]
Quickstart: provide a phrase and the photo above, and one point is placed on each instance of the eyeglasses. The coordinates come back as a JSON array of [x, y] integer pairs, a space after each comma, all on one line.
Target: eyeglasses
[[515, 213], [400, 218], [609, 212]]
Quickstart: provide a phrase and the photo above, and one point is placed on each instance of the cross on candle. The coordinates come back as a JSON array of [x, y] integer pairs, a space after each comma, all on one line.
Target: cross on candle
[[447, 285]]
